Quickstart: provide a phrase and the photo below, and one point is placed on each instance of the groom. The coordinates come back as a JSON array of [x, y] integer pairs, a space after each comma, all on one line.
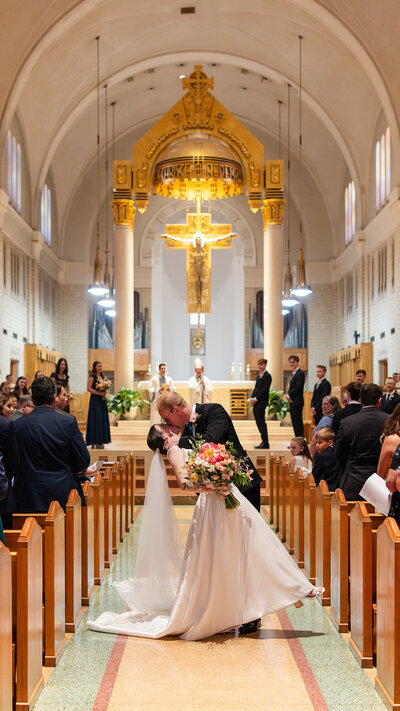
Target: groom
[[213, 424]]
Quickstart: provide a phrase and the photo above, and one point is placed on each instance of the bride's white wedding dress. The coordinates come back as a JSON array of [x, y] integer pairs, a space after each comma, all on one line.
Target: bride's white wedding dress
[[234, 570]]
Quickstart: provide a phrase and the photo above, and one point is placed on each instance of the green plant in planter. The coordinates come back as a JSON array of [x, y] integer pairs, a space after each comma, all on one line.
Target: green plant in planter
[[124, 400], [277, 405]]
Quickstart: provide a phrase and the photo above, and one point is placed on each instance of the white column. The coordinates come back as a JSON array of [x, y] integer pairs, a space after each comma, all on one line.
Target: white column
[[124, 290], [273, 279]]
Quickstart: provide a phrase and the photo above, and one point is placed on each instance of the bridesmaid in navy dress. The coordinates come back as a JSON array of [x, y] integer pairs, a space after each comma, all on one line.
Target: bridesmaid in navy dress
[[98, 425]]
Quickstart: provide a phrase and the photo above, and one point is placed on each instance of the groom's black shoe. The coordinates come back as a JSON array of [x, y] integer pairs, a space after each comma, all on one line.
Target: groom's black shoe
[[261, 446], [250, 627]]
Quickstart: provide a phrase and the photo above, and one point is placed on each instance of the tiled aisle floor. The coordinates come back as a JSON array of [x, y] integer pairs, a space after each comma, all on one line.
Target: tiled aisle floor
[[297, 662]]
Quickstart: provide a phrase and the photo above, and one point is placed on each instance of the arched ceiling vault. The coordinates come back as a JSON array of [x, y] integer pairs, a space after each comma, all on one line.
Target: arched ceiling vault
[[349, 72]]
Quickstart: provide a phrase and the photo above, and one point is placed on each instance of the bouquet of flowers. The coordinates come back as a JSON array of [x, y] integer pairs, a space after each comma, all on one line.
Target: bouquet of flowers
[[103, 385], [215, 467], [69, 395]]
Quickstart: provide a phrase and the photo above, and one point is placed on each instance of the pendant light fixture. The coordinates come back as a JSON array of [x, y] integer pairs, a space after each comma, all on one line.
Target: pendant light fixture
[[97, 288], [108, 300], [288, 300], [301, 288]]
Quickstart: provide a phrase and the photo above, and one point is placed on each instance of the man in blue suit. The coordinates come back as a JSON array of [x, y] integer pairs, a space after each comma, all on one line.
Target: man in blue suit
[[51, 453]]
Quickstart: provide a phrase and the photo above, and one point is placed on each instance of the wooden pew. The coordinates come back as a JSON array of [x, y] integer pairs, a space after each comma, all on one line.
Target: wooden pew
[[106, 474], [323, 540], [290, 510], [127, 494], [132, 465], [283, 487], [53, 527], [73, 562], [277, 478], [310, 527], [27, 572], [6, 643], [340, 511], [87, 541], [363, 528], [387, 680], [121, 500], [298, 517], [98, 526], [115, 508], [271, 477]]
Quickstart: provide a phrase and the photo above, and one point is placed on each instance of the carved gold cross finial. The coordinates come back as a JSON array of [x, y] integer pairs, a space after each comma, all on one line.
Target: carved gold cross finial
[[198, 82]]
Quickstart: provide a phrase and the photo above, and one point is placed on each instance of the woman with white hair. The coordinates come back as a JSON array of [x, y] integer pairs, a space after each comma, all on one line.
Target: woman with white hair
[[200, 387]]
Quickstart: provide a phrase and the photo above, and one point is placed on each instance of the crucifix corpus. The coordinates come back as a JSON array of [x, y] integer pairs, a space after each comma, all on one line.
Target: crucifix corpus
[[199, 236]]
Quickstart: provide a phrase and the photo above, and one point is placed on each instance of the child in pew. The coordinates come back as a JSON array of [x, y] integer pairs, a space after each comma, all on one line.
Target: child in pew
[[301, 456], [325, 466]]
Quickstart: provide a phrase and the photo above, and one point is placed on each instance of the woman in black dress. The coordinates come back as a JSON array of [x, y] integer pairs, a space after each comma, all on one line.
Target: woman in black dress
[[98, 424], [393, 484], [61, 377]]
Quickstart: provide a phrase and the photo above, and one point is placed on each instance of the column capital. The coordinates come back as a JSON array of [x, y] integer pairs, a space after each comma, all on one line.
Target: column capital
[[273, 211], [124, 212]]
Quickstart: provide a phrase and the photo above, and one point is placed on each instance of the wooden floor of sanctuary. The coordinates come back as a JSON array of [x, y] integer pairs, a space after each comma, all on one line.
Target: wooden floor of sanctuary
[[297, 661]]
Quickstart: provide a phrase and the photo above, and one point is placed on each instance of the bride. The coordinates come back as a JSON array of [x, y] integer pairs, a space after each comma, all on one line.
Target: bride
[[233, 569]]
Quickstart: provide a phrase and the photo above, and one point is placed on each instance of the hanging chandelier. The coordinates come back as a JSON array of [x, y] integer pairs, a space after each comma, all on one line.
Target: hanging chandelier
[[288, 299], [97, 287], [301, 288], [108, 300]]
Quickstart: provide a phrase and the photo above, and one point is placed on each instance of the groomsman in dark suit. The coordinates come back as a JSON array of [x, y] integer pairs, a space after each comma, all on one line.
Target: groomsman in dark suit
[[391, 399], [295, 395], [51, 453], [322, 388], [259, 400], [351, 402], [358, 444]]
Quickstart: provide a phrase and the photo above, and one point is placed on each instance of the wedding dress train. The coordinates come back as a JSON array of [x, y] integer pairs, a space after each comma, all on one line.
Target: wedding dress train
[[234, 570]]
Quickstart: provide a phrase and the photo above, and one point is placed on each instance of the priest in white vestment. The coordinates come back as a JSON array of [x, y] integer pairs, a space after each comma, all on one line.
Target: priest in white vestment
[[158, 382], [200, 387]]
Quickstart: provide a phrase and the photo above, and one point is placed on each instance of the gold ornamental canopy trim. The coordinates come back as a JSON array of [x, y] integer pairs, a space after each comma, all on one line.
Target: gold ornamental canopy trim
[[197, 168], [230, 162]]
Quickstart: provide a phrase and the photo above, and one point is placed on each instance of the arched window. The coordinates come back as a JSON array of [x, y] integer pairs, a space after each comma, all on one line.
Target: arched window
[[45, 214], [350, 212], [14, 171], [382, 169]]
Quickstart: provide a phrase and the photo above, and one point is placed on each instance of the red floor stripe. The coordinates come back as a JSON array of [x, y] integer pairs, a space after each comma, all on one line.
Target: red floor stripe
[[107, 683], [305, 670]]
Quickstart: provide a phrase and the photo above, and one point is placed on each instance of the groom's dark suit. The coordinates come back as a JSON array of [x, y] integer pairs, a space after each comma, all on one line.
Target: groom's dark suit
[[214, 425]]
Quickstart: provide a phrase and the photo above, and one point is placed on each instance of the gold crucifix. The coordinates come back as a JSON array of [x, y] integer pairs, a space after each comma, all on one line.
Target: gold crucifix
[[199, 236]]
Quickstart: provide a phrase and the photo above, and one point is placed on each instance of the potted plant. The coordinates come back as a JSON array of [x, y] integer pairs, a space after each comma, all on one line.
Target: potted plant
[[277, 405], [126, 403]]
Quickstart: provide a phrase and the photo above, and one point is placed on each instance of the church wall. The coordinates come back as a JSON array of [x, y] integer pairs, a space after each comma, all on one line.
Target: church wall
[[321, 330], [75, 333]]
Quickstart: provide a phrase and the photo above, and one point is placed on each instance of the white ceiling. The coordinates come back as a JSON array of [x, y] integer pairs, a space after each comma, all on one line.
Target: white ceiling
[[350, 75]]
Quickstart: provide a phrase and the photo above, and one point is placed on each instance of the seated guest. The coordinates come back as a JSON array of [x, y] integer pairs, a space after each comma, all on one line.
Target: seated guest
[[24, 407], [39, 374], [52, 452], [390, 441], [361, 376], [5, 388], [10, 380], [325, 460], [9, 454], [4, 484], [14, 402], [300, 454], [321, 388], [391, 399], [6, 407], [351, 405], [330, 405], [358, 443]]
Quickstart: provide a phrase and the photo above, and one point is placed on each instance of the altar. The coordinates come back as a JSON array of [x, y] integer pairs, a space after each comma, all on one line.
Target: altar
[[231, 394]]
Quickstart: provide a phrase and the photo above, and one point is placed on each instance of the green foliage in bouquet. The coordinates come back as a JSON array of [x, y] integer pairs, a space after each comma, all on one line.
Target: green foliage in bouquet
[[277, 405], [124, 400]]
